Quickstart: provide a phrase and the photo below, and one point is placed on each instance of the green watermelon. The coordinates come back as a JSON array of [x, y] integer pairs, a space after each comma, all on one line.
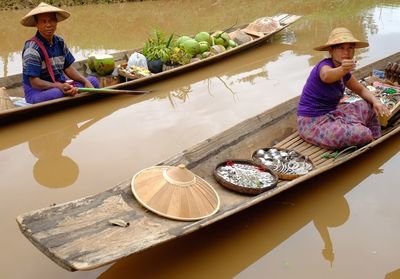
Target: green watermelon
[[181, 39], [204, 46], [104, 64], [203, 37], [191, 46], [90, 62]]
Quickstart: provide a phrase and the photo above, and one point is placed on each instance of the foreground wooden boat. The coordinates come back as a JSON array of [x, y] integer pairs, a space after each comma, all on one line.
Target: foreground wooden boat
[[77, 234], [13, 84]]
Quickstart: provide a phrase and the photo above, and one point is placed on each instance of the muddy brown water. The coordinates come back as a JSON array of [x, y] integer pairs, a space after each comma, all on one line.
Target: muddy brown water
[[342, 224]]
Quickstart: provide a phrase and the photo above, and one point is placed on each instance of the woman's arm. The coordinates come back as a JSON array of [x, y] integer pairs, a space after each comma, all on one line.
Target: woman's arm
[[359, 89], [331, 75]]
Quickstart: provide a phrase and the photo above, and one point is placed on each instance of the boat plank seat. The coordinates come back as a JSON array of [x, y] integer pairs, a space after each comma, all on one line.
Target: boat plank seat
[[314, 153]]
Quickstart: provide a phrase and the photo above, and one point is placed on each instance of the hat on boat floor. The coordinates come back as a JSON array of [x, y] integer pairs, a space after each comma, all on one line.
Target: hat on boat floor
[[175, 192], [341, 35], [42, 8]]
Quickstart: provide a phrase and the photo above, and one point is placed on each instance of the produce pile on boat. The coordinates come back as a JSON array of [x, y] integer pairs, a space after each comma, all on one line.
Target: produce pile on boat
[[167, 52], [184, 49], [164, 52]]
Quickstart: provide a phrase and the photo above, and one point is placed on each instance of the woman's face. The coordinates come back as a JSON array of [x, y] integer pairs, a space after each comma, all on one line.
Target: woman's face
[[342, 52]]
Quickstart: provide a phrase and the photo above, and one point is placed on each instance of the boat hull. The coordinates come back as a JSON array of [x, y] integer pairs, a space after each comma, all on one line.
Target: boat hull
[[14, 83], [77, 234]]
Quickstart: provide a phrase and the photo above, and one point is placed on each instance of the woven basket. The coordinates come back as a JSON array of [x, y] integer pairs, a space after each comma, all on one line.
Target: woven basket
[[284, 175], [241, 188], [122, 72]]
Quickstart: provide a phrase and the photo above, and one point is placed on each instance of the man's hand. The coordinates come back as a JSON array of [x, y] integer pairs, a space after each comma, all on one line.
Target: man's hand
[[88, 84], [67, 89]]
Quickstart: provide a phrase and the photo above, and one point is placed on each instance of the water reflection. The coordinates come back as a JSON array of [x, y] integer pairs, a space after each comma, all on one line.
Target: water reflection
[[319, 16], [53, 169], [333, 212], [227, 248]]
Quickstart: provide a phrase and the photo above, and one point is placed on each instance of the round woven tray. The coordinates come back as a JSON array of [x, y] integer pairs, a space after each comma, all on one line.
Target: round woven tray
[[287, 168], [237, 187], [124, 73]]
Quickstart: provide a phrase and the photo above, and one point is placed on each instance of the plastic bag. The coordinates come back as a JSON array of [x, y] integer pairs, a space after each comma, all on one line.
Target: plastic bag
[[137, 59]]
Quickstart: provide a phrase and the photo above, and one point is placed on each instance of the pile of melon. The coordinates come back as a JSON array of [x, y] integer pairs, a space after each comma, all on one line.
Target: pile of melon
[[205, 44]]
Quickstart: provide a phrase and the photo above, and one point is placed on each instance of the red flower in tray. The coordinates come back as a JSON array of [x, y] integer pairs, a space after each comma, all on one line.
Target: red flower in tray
[[230, 163]]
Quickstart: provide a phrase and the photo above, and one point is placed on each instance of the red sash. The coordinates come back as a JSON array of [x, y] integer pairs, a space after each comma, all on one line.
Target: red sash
[[46, 58]]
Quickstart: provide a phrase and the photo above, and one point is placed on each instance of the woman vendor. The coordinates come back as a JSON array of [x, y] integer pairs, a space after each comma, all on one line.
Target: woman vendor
[[321, 120]]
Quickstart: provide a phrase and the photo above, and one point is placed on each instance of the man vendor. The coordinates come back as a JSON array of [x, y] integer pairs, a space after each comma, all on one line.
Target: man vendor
[[47, 61], [321, 119]]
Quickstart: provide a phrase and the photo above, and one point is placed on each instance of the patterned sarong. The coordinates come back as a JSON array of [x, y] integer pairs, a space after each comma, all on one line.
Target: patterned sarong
[[353, 124]]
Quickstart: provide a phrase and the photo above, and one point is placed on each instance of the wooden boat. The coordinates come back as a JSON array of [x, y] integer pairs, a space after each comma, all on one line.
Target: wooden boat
[[77, 234], [13, 84]]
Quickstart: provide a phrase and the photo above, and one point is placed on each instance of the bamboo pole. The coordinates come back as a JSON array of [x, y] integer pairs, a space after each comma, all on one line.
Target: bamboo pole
[[112, 91]]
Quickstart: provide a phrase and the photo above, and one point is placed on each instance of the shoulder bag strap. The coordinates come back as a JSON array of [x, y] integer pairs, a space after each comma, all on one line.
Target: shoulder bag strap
[[46, 57]]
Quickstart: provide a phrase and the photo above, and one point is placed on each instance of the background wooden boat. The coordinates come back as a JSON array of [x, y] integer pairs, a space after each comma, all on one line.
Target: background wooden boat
[[14, 83], [77, 235]]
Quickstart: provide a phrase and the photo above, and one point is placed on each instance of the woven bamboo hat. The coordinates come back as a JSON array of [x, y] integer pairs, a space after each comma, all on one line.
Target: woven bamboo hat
[[175, 193], [42, 8], [341, 35]]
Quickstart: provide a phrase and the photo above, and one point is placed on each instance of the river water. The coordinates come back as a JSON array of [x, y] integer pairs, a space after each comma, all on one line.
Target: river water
[[342, 224]]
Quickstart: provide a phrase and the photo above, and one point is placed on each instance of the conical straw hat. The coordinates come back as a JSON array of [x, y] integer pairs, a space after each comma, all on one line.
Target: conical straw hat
[[341, 35], [42, 8], [175, 192], [5, 101], [263, 25]]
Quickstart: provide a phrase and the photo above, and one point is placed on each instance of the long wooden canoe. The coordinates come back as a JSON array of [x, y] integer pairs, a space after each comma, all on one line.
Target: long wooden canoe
[[77, 234], [13, 84]]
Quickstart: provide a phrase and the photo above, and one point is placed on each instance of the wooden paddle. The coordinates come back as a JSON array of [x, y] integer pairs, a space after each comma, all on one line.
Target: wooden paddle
[[111, 91]]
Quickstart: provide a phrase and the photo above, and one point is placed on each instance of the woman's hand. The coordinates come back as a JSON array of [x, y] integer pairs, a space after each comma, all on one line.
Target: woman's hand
[[348, 65], [380, 109]]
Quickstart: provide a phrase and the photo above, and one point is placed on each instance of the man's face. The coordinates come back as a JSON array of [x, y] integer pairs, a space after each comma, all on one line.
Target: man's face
[[46, 24]]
